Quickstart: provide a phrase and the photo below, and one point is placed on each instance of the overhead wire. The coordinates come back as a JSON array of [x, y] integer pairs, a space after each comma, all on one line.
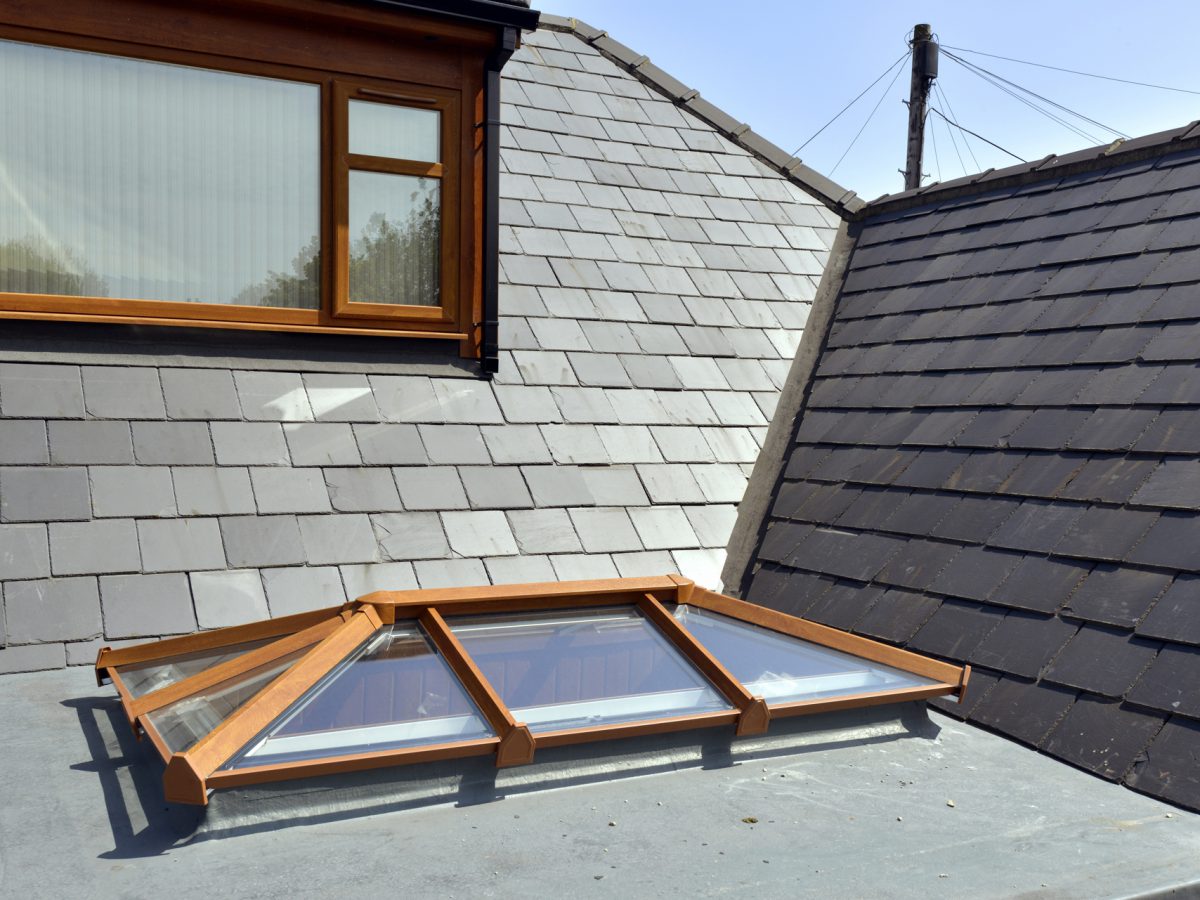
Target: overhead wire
[[1026, 62], [874, 109], [954, 119], [852, 102], [937, 161], [975, 134]]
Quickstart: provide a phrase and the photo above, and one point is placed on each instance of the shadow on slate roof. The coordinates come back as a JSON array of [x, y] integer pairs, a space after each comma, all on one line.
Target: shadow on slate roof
[[998, 459]]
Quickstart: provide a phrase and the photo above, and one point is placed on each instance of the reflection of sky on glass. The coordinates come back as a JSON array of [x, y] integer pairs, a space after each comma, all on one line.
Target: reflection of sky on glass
[[407, 270], [167, 182], [399, 132]]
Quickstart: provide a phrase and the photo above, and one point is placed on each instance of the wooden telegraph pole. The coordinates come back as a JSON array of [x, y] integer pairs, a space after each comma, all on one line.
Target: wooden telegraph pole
[[924, 71]]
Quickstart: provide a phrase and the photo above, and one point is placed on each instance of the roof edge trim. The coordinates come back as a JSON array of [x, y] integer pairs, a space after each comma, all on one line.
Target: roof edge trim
[[840, 200], [1090, 159]]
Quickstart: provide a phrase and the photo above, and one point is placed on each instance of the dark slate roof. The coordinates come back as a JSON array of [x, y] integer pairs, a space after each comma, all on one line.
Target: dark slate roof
[[998, 462]]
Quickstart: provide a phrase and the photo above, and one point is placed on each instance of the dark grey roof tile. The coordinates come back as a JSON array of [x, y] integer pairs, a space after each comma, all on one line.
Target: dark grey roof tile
[[1118, 344], [1055, 387], [847, 554], [1067, 311], [975, 572], [1116, 595], [1176, 384], [785, 590], [872, 507], [1043, 474], [1114, 429], [1170, 543], [1023, 710], [1178, 301], [1048, 429], [955, 630], [1119, 385], [1175, 431], [919, 513], [1122, 308], [1023, 643], [896, 616], [1176, 615], [932, 468], [937, 428], [1003, 387], [1040, 584], [973, 518], [1105, 533], [1174, 266], [1059, 348], [1169, 684], [1174, 484], [990, 428], [945, 388], [843, 605], [983, 470], [1167, 767], [1036, 526], [918, 565], [1103, 737], [803, 459], [1108, 479], [1102, 661], [781, 540]]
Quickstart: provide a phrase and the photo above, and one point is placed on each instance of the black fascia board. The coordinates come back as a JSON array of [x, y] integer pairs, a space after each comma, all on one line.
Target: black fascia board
[[488, 12]]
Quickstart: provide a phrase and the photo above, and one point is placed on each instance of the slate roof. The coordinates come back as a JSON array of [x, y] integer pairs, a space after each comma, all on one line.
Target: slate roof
[[998, 461], [656, 277]]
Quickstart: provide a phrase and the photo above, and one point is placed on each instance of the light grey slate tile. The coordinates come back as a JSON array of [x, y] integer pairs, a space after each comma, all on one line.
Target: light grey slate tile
[[702, 566], [610, 337], [677, 253], [519, 569], [289, 491], [761, 287], [663, 528], [732, 445], [520, 300], [176, 545], [363, 490], [249, 443], [515, 334], [321, 444], [720, 482], [631, 252], [437, 573], [614, 486], [172, 443], [682, 444], [430, 487], [698, 373], [340, 398], [338, 539], [604, 529], [671, 280], [201, 491], [200, 394], [132, 491], [527, 403], [577, 273], [550, 215], [618, 306], [767, 401], [361, 580], [653, 372], [23, 442], [706, 341], [577, 444], [466, 401], [624, 276], [514, 444], [662, 340], [688, 408], [735, 408], [528, 269], [32, 658], [745, 375], [228, 598], [584, 404], [646, 563], [544, 531], [629, 443], [406, 398], [40, 391], [640, 407], [24, 552], [572, 303], [390, 444], [55, 609], [558, 334], [713, 523], [711, 311], [123, 392], [35, 494], [410, 535], [90, 442], [785, 342], [541, 242], [777, 371], [495, 487], [303, 589], [557, 485], [583, 566], [670, 483], [258, 541], [556, 190], [588, 245], [273, 396], [479, 533], [454, 445], [591, 218], [147, 605], [541, 367]]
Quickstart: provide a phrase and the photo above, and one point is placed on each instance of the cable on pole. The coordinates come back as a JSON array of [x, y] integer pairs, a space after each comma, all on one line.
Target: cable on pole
[[874, 109], [974, 134], [882, 75], [954, 119]]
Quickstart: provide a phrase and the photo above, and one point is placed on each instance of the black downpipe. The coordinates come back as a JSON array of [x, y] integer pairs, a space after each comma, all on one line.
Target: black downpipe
[[490, 344]]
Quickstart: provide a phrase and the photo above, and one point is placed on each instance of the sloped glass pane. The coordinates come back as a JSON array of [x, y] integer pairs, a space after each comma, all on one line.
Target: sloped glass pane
[[394, 691], [143, 678], [184, 722], [783, 669], [578, 668]]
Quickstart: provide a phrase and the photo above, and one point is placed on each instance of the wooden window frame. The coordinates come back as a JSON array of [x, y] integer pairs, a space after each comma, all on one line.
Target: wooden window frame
[[382, 52], [330, 635]]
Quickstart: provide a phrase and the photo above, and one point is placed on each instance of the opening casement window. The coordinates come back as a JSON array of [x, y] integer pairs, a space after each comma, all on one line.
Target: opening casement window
[[416, 676], [311, 166]]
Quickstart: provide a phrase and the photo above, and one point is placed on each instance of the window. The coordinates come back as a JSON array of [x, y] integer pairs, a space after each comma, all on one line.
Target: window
[[315, 169], [389, 679]]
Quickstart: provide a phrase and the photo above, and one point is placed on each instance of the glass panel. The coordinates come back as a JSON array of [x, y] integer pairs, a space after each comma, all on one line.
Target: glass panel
[[395, 239], [143, 678], [142, 180], [573, 669], [184, 722], [399, 132], [394, 691], [780, 668]]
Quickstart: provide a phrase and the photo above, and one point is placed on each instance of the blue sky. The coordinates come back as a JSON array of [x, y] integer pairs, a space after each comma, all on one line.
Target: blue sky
[[787, 67]]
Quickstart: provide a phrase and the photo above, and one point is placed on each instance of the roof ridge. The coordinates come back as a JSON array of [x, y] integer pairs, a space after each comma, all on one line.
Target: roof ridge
[[844, 202], [1118, 152]]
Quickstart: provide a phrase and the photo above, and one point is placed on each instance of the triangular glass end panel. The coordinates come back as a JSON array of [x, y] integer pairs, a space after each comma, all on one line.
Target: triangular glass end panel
[[145, 678], [785, 669], [394, 691]]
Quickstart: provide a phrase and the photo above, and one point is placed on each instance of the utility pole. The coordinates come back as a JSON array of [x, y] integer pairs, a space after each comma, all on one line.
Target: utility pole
[[924, 71]]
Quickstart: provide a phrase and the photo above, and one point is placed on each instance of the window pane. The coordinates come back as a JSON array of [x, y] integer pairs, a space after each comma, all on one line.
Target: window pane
[[782, 669], [144, 678], [584, 667], [395, 239], [184, 722], [141, 180], [395, 691], [399, 132]]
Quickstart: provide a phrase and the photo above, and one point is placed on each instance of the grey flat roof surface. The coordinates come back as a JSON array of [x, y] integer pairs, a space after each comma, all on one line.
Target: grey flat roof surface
[[861, 813]]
